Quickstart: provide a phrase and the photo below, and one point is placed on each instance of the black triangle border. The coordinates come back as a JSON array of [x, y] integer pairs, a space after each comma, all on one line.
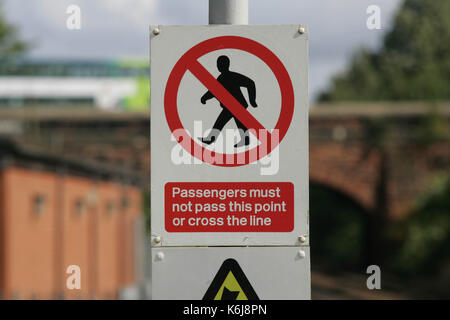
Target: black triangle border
[[233, 266]]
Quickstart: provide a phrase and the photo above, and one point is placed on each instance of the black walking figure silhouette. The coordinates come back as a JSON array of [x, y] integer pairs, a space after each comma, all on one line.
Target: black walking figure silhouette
[[232, 82]]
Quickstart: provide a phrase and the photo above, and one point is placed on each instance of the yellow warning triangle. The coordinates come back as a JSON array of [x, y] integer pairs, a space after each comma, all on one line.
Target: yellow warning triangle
[[230, 283]]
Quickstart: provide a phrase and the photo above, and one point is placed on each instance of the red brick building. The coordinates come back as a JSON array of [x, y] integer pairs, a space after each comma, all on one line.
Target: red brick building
[[56, 212]]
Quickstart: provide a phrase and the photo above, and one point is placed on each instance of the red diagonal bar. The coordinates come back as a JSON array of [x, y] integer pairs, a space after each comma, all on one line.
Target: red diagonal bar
[[226, 98]]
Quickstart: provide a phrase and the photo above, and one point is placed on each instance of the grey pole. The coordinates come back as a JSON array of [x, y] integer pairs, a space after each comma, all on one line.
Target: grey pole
[[228, 11]]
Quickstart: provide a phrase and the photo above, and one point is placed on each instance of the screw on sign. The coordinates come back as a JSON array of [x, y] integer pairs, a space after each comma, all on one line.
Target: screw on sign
[[234, 106]]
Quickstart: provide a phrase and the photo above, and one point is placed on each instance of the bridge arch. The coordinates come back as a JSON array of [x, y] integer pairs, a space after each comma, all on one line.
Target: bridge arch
[[348, 169]]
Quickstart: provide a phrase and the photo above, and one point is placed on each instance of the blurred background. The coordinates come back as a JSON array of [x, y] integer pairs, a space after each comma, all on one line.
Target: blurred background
[[75, 161]]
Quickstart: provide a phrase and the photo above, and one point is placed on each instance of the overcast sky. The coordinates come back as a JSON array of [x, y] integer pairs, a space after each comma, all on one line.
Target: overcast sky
[[114, 28]]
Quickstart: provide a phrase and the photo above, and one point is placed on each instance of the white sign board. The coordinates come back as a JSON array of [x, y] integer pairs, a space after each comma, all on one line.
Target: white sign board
[[253, 273], [229, 135]]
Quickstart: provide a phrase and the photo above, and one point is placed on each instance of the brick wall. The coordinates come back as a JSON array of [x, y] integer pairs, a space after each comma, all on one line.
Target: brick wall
[[49, 221]]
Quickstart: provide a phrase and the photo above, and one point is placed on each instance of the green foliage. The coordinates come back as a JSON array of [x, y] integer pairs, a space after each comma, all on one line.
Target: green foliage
[[413, 64], [337, 227], [432, 128], [377, 133], [10, 44], [426, 234]]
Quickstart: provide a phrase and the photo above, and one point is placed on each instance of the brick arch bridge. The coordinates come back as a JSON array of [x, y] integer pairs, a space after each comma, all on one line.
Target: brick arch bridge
[[381, 155], [345, 169]]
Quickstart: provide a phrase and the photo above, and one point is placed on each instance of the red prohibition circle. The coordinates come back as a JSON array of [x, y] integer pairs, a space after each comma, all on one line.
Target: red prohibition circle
[[191, 57]]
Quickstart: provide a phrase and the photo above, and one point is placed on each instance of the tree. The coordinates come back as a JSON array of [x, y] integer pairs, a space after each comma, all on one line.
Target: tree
[[10, 44], [413, 63]]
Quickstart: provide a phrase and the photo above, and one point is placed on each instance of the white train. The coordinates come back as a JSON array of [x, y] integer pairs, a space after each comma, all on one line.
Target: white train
[[107, 85]]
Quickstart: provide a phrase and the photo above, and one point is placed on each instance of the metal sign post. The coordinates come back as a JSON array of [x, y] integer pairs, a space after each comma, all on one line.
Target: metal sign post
[[228, 12], [229, 152]]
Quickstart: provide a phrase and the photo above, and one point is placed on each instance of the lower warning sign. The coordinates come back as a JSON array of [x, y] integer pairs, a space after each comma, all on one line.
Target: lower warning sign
[[230, 283], [231, 273], [229, 207]]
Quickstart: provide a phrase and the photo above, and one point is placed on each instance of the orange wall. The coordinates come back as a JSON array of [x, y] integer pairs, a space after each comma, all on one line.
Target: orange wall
[[108, 240], [75, 233], [29, 244], [130, 214], [36, 249]]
